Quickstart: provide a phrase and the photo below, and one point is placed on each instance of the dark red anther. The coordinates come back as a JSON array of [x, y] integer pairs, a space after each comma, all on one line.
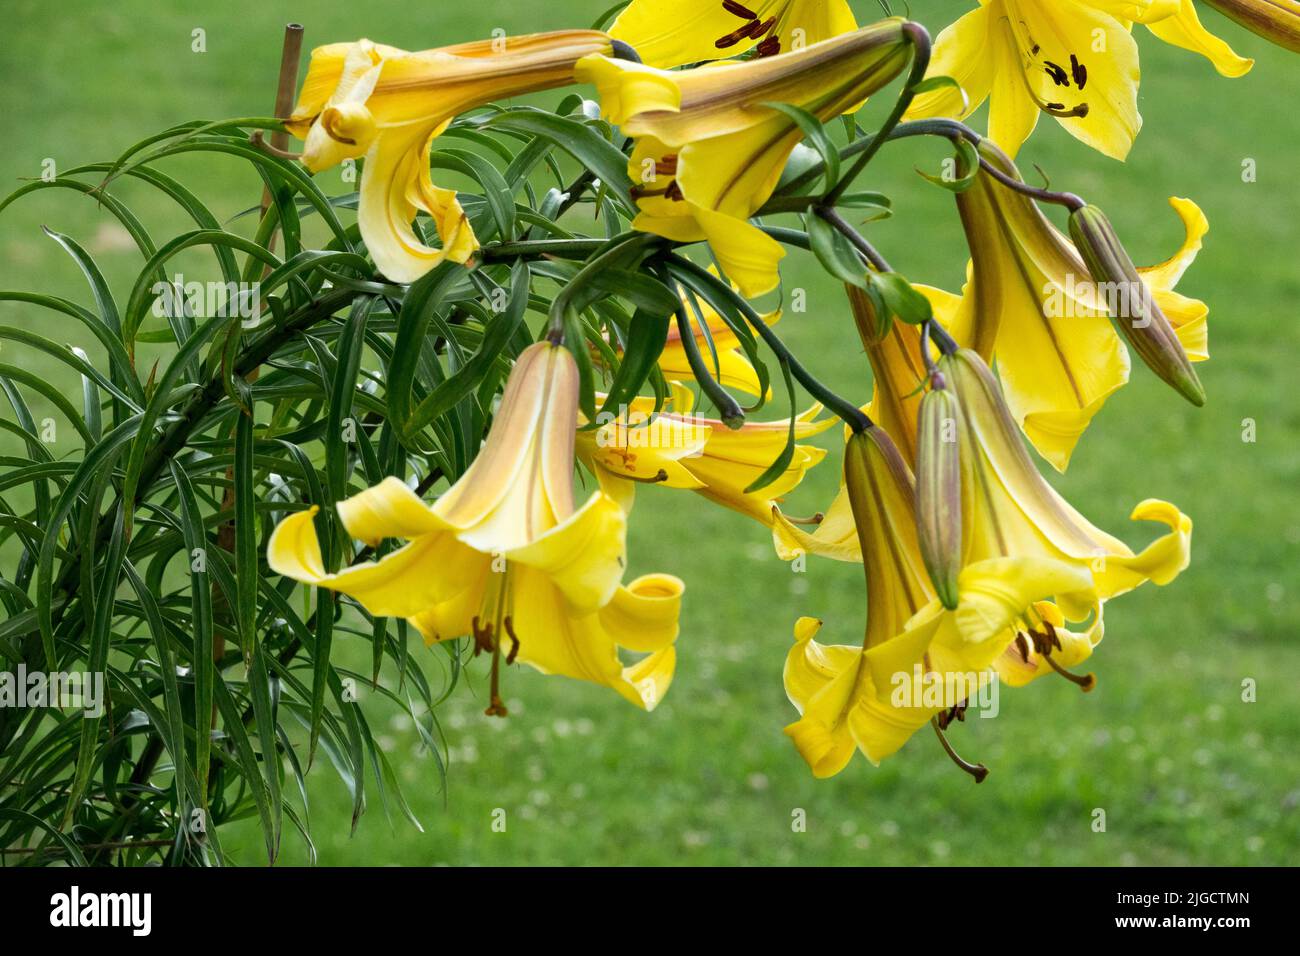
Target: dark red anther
[[731, 6]]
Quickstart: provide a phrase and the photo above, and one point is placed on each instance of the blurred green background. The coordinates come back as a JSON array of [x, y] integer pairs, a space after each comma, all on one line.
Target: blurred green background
[[1186, 772]]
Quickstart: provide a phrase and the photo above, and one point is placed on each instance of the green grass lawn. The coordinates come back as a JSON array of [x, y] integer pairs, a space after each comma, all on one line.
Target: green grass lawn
[[1186, 772]]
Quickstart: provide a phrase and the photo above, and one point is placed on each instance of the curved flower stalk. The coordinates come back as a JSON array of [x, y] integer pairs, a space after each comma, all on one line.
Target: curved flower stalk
[[709, 150], [732, 368], [870, 698], [1074, 60], [1031, 303], [505, 556], [668, 33], [680, 450], [367, 100]]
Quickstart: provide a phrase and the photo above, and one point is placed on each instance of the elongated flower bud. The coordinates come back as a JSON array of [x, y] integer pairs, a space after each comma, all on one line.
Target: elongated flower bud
[[1277, 21], [1135, 313], [938, 489]]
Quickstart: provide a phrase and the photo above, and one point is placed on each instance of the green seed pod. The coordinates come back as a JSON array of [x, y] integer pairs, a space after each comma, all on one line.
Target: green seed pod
[[938, 489], [1135, 315]]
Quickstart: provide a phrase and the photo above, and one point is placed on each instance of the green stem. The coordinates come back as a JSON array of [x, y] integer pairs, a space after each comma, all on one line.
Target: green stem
[[855, 238], [608, 252], [561, 248], [920, 63], [853, 416], [931, 327], [946, 128], [729, 409]]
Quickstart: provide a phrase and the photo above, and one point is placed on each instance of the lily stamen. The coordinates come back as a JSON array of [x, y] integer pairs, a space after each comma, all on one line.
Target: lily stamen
[[1053, 109], [734, 37], [482, 635], [817, 518], [658, 477], [514, 640], [955, 712], [1086, 682], [1044, 643], [731, 6], [976, 770]]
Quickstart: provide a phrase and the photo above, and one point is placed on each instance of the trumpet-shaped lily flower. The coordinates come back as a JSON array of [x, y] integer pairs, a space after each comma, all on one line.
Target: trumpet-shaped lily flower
[[873, 698], [680, 450], [668, 33], [387, 105], [1031, 565], [898, 373], [1074, 60], [504, 555], [1031, 304], [710, 148]]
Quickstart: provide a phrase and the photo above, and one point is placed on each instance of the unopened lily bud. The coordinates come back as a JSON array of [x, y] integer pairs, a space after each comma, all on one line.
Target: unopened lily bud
[[1277, 21], [1137, 317], [938, 489]]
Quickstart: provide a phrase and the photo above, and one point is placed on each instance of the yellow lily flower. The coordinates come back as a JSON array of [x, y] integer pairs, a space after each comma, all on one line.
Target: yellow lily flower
[[680, 450], [668, 33], [708, 151], [898, 372], [1074, 60], [870, 698], [505, 556], [367, 100], [1029, 302], [1031, 565]]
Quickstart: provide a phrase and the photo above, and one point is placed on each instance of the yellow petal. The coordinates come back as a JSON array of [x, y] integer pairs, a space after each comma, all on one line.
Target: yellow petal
[[1161, 561], [963, 50], [521, 484], [627, 88], [401, 584], [835, 536], [584, 556], [388, 510], [1012, 112], [820, 681], [395, 183], [747, 255], [1184, 29], [642, 616], [556, 640]]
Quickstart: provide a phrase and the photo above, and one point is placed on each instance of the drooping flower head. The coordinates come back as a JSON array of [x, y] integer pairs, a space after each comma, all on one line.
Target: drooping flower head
[[869, 698], [1074, 60], [709, 150], [678, 449], [1034, 577], [1032, 304], [505, 556], [668, 33], [367, 100]]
